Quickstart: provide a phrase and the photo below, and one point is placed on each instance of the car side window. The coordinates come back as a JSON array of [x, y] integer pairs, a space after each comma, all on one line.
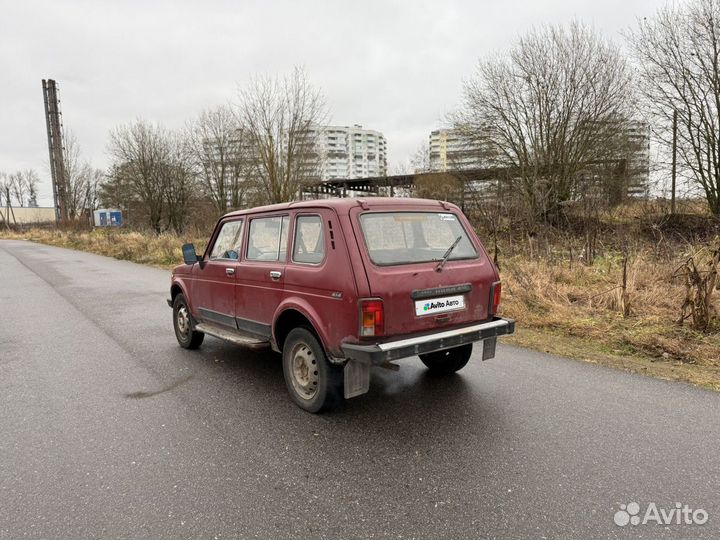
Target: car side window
[[229, 239], [309, 244], [267, 240]]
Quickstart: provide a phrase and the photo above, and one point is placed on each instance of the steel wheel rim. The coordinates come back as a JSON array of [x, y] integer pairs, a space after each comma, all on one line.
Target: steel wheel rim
[[304, 372], [183, 321]]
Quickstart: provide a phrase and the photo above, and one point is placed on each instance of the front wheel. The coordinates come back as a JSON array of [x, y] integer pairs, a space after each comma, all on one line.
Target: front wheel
[[449, 360], [186, 336], [313, 382]]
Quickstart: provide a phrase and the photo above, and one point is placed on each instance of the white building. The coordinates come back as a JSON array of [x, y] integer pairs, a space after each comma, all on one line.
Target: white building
[[345, 152], [351, 152], [638, 134], [449, 150]]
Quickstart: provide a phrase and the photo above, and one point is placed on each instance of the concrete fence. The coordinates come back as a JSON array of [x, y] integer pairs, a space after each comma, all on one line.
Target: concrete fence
[[25, 215]]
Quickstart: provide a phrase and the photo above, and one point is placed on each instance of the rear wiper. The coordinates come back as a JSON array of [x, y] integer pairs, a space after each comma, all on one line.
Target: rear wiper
[[444, 259]]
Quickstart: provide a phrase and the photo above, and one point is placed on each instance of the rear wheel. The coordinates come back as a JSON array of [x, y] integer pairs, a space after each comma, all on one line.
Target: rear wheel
[[448, 360], [313, 382], [186, 336]]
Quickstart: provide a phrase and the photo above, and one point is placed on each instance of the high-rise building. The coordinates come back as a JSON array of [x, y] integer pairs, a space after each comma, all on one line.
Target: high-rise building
[[332, 153], [638, 135], [351, 152], [450, 150]]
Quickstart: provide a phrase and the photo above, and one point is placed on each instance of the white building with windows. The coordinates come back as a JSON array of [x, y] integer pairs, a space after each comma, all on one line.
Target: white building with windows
[[450, 150], [351, 152], [638, 135]]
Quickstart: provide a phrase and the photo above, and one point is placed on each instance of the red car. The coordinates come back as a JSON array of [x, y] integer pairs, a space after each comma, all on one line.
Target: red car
[[341, 285]]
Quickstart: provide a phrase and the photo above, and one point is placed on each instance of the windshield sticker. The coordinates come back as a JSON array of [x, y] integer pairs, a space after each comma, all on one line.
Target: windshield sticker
[[447, 217]]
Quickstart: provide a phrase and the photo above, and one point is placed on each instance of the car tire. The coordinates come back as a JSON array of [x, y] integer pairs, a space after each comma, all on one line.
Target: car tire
[[449, 360], [312, 381], [187, 336]]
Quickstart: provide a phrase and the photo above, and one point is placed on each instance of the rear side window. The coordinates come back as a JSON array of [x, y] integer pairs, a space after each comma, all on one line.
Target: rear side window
[[412, 237], [267, 240], [309, 244], [227, 245]]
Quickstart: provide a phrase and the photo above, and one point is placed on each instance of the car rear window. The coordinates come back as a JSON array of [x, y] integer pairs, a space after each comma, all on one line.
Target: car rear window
[[413, 237]]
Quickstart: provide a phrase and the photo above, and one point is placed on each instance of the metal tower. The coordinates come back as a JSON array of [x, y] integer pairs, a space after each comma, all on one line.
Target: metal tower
[[56, 147]]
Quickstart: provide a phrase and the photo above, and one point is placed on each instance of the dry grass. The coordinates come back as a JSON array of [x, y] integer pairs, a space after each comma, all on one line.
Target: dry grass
[[576, 310], [161, 250], [562, 306]]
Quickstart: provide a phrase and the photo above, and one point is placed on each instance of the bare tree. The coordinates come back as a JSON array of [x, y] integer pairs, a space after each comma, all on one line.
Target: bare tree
[[81, 180], [220, 154], [547, 111], [4, 188], [281, 118], [179, 181], [117, 190], [4, 198], [678, 56], [420, 160], [151, 168], [23, 187], [140, 153]]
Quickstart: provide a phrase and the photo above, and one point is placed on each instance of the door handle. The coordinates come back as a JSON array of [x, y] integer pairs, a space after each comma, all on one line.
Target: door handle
[[229, 271], [275, 275]]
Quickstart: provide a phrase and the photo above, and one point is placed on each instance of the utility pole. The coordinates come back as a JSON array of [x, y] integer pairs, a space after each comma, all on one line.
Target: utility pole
[[9, 209], [674, 161], [56, 148]]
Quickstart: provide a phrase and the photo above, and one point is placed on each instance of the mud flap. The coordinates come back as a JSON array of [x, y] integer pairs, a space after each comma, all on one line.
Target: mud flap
[[357, 378], [489, 348]]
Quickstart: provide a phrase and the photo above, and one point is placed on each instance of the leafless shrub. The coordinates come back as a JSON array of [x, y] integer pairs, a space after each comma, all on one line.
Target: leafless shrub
[[445, 187], [81, 180], [699, 275]]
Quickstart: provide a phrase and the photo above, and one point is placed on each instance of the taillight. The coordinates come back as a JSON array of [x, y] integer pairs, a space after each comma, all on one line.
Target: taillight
[[372, 318], [496, 293]]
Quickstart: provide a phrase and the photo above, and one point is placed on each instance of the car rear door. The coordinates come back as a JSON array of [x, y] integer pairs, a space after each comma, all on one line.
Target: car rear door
[[416, 296], [260, 275]]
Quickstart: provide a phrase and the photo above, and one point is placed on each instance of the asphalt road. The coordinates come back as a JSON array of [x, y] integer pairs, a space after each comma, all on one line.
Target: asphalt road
[[109, 429]]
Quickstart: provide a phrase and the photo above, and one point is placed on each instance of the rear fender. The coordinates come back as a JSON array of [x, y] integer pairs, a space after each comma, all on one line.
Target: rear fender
[[306, 310]]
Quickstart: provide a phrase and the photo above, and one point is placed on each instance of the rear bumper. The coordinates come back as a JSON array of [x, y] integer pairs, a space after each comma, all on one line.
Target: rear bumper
[[380, 353]]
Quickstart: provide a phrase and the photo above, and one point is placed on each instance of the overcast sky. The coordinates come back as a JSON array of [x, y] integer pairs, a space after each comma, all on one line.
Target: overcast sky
[[396, 67]]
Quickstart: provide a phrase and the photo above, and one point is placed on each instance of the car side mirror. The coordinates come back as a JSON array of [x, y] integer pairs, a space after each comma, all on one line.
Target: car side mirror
[[189, 254]]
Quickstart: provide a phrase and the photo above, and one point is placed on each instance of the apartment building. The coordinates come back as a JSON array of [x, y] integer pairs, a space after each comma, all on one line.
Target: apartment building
[[351, 152], [451, 150], [638, 135]]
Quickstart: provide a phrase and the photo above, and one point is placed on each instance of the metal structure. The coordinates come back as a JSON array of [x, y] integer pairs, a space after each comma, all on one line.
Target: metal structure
[[403, 184], [56, 147], [473, 186]]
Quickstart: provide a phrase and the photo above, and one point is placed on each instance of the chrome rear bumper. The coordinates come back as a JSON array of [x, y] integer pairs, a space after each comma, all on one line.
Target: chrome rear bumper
[[386, 351]]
